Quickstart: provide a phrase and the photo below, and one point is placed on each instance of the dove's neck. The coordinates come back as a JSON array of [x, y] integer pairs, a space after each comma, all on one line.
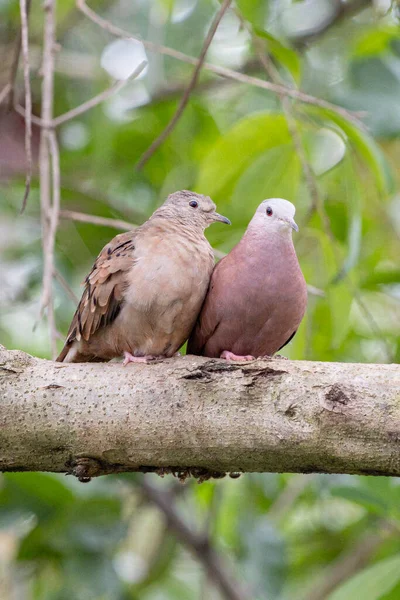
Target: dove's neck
[[167, 225], [263, 242]]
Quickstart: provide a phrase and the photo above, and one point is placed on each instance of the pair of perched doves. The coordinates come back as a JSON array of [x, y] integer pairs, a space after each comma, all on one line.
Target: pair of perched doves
[[147, 291]]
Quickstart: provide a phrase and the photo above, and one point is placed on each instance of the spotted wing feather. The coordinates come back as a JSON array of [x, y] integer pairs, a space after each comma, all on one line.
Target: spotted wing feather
[[102, 297]]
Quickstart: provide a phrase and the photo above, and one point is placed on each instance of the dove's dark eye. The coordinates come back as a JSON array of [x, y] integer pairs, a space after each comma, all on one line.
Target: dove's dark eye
[[269, 211], [193, 204]]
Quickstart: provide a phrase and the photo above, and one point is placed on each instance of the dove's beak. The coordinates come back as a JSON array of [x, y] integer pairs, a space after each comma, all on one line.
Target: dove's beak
[[292, 223], [217, 217]]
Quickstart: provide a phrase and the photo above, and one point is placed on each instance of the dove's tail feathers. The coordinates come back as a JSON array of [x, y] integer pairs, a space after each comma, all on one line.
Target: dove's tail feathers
[[70, 354], [63, 354]]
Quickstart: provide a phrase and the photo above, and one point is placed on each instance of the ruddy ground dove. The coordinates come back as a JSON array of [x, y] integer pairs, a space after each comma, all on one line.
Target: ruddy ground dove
[[146, 288], [257, 295]]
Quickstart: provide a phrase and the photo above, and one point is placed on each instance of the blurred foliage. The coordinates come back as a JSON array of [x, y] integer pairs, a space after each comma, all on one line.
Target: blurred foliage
[[285, 534]]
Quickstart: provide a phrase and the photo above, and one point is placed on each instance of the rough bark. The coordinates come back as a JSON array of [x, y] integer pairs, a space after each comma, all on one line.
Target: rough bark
[[199, 416]]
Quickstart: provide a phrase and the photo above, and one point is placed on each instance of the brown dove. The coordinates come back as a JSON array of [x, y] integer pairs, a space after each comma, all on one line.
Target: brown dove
[[257, 295], [146, 288]]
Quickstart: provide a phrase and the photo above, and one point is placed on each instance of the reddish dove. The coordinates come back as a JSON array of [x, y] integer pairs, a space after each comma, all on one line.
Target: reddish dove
[[257, 295], [146, 288]]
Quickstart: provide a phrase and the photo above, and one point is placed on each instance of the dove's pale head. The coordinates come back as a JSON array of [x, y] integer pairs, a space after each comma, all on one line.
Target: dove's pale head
[[275, 214], [192, 209]]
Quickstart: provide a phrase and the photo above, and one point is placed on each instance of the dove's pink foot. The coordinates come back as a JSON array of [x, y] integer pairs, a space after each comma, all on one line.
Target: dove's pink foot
[[230, 356], [129, 358]]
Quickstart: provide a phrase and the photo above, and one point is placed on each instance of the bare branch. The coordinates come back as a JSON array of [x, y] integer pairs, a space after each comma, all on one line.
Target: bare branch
[[21, 111], [274, 75], [265, 415], [28, 99], [51, 238], [317, 202], [218, 70], [75, 112], [4, 92], [211, 518], [18, 43], [199, 545], [102, 221], [69, 291], [49, 171], [115, 223], [79, 110], [192, 84]]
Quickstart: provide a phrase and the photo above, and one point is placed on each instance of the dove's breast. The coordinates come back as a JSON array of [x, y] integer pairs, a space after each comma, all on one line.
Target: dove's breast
[[165, 291]]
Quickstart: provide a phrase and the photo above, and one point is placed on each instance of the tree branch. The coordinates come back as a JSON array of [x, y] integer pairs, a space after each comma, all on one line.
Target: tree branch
[[192, 84], [4, 92], [273, 73], [49, 171], [89, 104], [65, 285], [72, 215], [193, 414], [218, 70], [198, 544], [28, 99], [25, 6]]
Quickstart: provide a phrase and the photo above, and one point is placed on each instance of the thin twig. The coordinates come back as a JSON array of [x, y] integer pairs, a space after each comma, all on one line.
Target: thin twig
[[192, 84], [13, 70], [72, 215], [19, 42], [51, 238], [21, 111], [316, 200], [118, 85], [274, 75], [28, 99], [218, 70], [211, 517], [115, 223], [102, 221], [49, 197], [4, 92], [82, 108], [64, 284], [199, 545]]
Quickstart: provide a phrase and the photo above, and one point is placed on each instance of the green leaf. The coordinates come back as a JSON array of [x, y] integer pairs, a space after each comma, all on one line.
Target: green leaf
[[255, 11], [371, 583], [340, 299], [91, 577], [362, 496], [381, 277], [92, 525], [375, 41], [365, 146], [40, 493], [326, 148], [283, 54], [238, 148], [276, 173], [353, 198]]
